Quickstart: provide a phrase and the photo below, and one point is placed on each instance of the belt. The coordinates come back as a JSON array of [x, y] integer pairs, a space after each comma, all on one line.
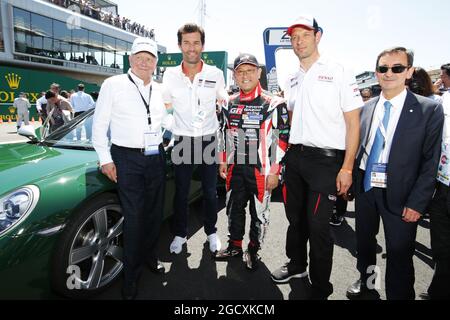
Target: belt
[[332, 153], [139, 150]]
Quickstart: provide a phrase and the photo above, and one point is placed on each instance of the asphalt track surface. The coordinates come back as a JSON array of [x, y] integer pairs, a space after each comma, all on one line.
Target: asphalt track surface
[[194, 275]]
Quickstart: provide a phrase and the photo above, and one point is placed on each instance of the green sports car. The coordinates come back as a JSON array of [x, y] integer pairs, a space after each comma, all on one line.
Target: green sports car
[[60, 217]]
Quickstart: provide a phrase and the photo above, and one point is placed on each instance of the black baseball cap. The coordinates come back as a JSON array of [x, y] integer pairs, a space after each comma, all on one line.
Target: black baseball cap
[[245, 58]]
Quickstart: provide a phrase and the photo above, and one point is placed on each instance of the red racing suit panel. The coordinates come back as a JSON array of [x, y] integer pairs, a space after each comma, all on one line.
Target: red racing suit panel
[[252, 141], [254, 130]]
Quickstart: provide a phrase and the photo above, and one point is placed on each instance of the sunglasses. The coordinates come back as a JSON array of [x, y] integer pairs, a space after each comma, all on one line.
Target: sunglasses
[[395, 69]]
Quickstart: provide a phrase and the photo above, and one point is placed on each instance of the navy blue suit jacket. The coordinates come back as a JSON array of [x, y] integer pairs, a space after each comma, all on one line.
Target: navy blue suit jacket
[[414, 156]]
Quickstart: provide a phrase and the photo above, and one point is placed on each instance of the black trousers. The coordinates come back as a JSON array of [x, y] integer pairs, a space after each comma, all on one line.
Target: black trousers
[[141, 183], [310, 181], [400, 239], [183, 174], [440, 242], [246, 184], [341, 207]]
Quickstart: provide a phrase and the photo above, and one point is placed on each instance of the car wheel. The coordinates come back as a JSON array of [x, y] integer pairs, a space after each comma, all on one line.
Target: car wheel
[[88, 257]]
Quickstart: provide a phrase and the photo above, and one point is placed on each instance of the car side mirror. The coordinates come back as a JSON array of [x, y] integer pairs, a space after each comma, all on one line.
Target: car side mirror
[[28, 131]]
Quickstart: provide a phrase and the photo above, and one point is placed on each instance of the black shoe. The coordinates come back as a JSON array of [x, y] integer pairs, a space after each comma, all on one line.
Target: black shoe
[[359, 290], [129, 292], [336, 220], [425, 296], [317, 296], [231, 251], [156, 267], [251, 259], [287, 272]]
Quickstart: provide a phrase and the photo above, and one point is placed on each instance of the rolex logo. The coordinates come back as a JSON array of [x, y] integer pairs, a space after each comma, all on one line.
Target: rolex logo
[[12, 109], [13, 80]]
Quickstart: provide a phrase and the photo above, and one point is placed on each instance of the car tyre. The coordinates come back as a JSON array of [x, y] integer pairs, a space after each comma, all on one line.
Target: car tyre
[[88, 256]]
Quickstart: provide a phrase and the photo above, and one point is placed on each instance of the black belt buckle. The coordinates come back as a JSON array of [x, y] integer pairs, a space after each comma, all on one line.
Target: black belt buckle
[[329, 153]]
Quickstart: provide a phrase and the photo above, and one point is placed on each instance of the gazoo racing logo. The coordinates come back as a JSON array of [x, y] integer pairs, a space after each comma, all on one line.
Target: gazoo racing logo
[[236, 110], [8, 91]]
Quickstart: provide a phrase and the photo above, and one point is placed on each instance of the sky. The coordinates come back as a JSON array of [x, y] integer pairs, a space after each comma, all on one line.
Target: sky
[[355, 32]]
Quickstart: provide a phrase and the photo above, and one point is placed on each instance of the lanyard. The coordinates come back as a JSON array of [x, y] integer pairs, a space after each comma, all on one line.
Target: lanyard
[[147, 106], [383, 132], [201, 84]]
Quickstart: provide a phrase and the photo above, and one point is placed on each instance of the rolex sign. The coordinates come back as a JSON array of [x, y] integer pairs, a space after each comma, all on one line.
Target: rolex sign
[[13, 81]]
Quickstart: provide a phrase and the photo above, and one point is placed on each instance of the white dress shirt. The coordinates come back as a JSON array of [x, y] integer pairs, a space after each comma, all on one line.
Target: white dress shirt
[[188, 98], [446, 106], [396, 110], [81, 101], [120, 108], [40, 102], [323, 94]]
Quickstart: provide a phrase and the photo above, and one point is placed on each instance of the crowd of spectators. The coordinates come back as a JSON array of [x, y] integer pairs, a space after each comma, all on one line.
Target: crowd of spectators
[[2, 46], [89, 8]]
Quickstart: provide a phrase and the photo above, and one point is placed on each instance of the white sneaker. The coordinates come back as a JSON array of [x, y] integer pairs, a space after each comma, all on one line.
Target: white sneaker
[[214, 243], [177, 245]]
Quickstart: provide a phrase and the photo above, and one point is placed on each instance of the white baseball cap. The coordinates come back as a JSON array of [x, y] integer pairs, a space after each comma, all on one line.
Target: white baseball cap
[[307, 22], [144, 44]]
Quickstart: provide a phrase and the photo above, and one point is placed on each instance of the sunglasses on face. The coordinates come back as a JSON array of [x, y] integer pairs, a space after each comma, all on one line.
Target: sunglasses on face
[[395, 69]]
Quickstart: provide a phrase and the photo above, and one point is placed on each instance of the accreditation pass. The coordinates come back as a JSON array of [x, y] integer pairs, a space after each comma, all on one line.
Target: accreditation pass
[[152, 140]]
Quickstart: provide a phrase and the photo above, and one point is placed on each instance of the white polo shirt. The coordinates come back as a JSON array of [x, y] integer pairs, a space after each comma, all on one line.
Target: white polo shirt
[[188, 98], [121, 110], [324, 94], [290, 90]]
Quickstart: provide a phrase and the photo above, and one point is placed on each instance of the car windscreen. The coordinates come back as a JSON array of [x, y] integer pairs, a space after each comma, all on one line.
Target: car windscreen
[[77, 134]]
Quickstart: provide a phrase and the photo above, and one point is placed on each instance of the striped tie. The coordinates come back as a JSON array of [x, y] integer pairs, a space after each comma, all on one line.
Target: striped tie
[[377, 147]]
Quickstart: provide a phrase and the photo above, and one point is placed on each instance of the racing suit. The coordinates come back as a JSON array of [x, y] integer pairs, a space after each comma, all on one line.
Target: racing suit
[[254, 133]]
